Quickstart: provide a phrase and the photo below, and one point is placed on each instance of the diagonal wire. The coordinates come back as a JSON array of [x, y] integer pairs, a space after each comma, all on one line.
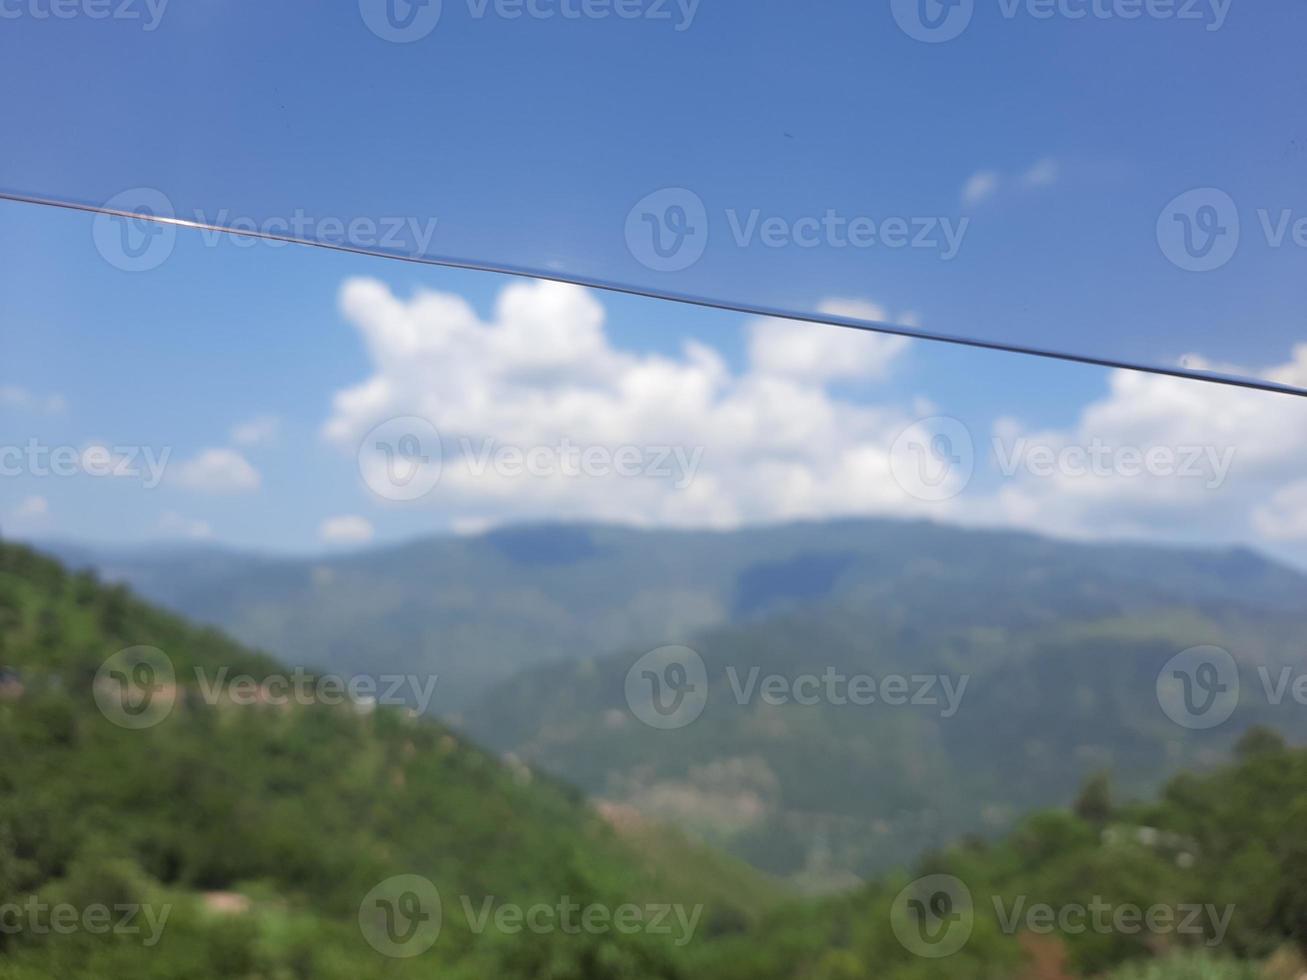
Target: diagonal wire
[[749, 309]]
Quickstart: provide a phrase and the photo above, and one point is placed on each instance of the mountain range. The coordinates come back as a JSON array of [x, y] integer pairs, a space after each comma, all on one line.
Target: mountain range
[[1043, 657]]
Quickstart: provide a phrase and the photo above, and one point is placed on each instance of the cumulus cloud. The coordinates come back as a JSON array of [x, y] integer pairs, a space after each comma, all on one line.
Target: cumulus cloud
[[21, 399], [1042, 174], [984, 185], [261, 430], [1236, 456], [218, 471], [346, 529], [980, 187], [800, 429], [174, 525], [1284, 516], [31, 508], [804, 352], [540, 380]]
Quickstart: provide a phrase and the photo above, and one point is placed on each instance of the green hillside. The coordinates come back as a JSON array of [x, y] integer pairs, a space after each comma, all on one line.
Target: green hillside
[[262, 829], [824, 792], [1215, 867], [251, 840], [476, 610]]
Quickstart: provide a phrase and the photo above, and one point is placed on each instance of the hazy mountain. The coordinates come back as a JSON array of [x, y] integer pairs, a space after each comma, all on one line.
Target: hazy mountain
[[1007, 718], [475, 610], [1052, 650]]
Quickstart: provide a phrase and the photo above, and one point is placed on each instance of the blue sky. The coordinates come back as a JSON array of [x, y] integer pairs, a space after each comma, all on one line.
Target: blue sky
[[224, 336], [1056, 142], [1061, 139]]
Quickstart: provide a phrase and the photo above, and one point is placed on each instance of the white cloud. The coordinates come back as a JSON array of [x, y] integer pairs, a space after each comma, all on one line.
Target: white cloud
[[175, 525], [1043, 173], [347, 529], [776, 444], [261, 430], [218, 471], [1261, 435], [803, 351], [779, 439], [984, 185], [21, 399], [32, 508], [1284, 517], [980, 187]]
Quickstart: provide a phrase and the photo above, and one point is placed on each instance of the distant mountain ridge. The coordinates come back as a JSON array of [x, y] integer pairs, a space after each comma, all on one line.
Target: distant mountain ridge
[[476, 610]]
